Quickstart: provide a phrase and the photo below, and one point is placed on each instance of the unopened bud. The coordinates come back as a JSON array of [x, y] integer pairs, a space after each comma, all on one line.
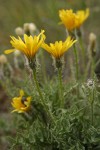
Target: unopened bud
[[19, 31], [29, 28], [92, 37], [3, 59], [26, 28], [32, 28], [92, 43]]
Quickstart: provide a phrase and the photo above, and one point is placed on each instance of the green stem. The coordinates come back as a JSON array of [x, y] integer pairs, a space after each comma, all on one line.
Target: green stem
[[92, 108], [43, 66], [77, 68], [82, 47], [97, 63], [92, 113], [83, 51], [40, 94], [38, 88], [93, 68], [76, 62], [60, 87]]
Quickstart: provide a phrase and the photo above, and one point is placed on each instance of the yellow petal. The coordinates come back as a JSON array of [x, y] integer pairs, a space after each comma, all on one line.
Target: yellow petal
[[29, 98], [21, 93], [9, 51]]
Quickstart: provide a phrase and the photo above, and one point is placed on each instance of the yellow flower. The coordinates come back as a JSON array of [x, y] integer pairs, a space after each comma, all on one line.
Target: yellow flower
[[68, 19], [29, 46], [73, 20], [59, 48], [81, 16], [21, 104]]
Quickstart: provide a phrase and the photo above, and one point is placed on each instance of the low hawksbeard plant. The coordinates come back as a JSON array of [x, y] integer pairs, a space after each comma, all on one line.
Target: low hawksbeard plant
[[57, 114]]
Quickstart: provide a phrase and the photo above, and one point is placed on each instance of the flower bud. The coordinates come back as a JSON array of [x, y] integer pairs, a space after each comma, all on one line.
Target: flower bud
[[26, 28], [19, 31], [92, 44], [29, 28], [32, 28], [92, 37], [3, 59]]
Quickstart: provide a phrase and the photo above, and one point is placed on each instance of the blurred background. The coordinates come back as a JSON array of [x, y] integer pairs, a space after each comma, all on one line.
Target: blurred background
[[44, 13]]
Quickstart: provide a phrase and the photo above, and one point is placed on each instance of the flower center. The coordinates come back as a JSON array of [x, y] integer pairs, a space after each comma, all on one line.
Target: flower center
[[24, 100]]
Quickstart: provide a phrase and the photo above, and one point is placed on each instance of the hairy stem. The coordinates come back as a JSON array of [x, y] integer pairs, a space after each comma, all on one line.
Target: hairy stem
[[92, 108], [77, 68], [76, 62], [40, 94], [60, 88], [83, 51]]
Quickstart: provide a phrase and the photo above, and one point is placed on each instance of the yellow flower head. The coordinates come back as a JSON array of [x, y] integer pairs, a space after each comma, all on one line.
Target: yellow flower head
[[29, 46], [68, 18], [81, 16], [59, 48], [73, 20], [21, 104]]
